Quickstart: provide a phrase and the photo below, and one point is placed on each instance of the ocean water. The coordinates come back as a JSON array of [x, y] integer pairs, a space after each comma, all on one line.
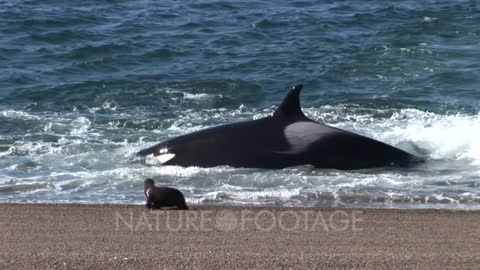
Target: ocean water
[[86, 84]]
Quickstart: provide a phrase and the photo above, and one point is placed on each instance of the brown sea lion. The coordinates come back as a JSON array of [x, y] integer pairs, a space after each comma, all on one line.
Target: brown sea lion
[[159, 197]]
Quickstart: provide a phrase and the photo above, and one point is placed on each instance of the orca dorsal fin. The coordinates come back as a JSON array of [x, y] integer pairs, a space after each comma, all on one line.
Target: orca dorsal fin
[[290, 106]]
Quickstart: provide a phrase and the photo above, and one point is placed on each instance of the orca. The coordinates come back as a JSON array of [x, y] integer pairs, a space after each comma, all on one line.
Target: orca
[[286, 138]]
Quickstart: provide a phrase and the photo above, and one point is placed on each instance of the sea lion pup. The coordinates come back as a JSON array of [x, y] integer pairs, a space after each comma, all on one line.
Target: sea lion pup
[[158, 197]]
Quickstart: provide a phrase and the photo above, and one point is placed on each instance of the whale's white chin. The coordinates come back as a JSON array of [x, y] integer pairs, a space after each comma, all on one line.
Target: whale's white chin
[[158, 160], [164, 158]]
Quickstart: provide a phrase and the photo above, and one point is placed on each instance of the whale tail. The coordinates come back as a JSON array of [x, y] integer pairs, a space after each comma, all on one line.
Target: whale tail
[[415, 160], [407, 161]]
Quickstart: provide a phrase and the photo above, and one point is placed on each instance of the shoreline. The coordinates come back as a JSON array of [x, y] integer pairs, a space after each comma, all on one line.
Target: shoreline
[[59, 236], [439, 207]]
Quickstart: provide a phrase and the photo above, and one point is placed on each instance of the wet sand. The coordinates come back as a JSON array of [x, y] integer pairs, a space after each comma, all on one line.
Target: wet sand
[[47, 236]]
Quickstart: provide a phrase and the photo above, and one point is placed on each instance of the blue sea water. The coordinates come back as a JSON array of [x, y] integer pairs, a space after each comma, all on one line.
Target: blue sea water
[[86, 84]]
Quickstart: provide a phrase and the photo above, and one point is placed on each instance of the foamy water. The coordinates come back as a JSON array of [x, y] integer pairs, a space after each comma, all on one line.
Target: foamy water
[[86, 84], [75, 159]]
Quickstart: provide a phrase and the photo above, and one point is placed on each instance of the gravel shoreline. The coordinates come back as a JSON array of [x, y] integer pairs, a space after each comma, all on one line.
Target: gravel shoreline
[[68, 236]]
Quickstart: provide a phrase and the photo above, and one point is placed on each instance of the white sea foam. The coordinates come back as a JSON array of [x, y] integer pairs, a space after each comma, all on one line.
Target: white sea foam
[[84, 165], [80, 125], [106, 106], [201, 97], [443, 136], [15, 114]]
